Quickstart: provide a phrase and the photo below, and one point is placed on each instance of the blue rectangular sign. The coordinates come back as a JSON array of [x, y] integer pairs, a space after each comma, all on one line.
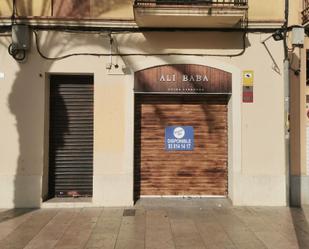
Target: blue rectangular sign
[[179, 138]]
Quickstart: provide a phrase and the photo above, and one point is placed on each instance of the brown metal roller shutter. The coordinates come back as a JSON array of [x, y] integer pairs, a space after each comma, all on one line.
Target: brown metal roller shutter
[[202, 171], [71, 136]]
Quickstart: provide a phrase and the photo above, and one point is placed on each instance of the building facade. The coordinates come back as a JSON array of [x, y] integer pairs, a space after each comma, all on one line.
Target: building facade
[[118, 100], [299, 180]]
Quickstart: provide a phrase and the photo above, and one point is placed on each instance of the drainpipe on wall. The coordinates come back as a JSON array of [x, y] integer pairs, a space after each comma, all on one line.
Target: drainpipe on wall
[[286, 78]]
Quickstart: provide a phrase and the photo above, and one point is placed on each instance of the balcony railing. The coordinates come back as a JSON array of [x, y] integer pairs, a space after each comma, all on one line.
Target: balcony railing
[[197, 3], [191, 13], [305, 12]]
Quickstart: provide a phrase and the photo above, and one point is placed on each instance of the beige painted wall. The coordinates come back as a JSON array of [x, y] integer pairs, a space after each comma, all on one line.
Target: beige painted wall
[[298, 113], [33, 7], [299, 124], [116, 9], [298, 97], [6, 8], [295, 123], [265, 10], [106, 9], [258, 170], [296, 7], [304, 91], [26, 8]]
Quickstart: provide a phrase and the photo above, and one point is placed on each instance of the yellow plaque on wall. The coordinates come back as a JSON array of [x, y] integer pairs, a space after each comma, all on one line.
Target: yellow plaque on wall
[[248, 78]]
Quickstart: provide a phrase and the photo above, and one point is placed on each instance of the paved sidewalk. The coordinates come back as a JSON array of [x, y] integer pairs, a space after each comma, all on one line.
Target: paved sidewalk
[[157, 224]]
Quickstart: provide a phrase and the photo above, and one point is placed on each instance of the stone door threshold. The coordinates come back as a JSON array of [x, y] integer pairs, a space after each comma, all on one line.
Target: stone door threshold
[[68, 202]]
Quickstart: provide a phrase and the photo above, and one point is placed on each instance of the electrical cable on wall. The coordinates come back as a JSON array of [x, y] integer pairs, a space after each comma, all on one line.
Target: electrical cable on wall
[[20, 55], [138, 54]]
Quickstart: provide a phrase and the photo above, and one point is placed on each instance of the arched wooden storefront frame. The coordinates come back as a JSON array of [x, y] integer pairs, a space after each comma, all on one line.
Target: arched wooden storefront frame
[[193, 94]]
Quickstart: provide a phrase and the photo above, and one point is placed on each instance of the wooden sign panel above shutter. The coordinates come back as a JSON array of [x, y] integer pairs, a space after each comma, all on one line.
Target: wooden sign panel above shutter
[[183, 78]]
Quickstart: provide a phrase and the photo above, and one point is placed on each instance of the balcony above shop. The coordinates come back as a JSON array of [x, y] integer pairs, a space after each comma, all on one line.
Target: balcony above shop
[[191, 13], [305, 13]]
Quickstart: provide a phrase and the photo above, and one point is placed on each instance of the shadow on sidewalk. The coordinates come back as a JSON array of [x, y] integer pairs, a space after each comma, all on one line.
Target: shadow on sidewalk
[[301, 227], [14, 213]]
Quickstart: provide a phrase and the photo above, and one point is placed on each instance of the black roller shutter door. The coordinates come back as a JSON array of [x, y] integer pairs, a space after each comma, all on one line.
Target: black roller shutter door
[[71, 136]]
